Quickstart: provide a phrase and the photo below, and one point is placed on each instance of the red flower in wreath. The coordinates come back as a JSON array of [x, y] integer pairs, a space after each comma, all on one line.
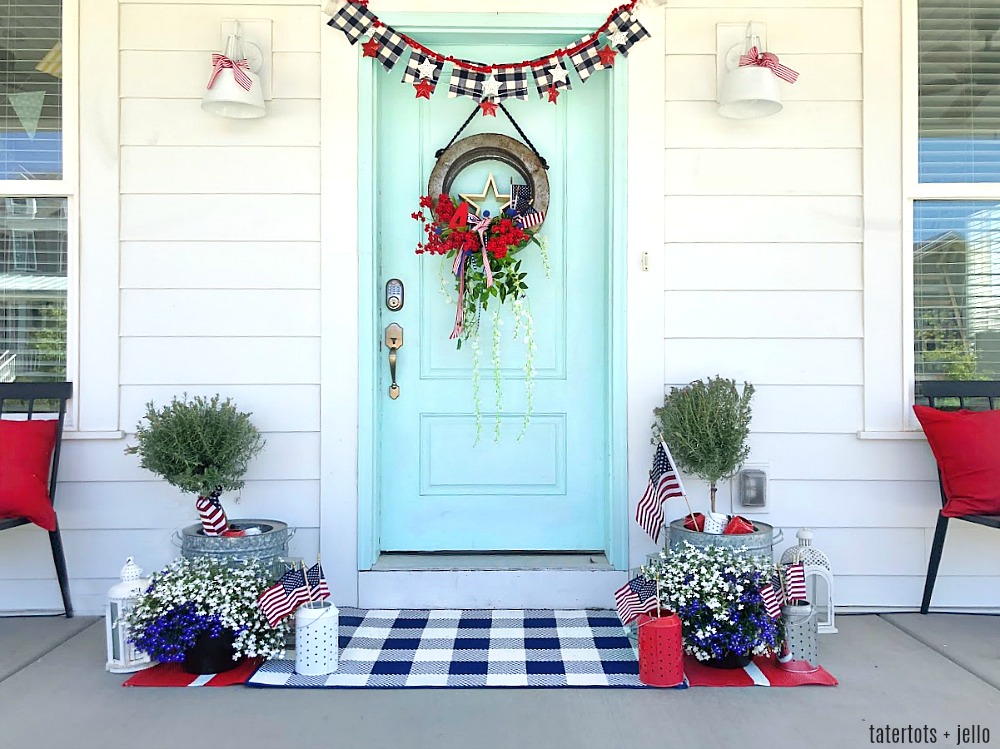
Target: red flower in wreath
[[484, 250]]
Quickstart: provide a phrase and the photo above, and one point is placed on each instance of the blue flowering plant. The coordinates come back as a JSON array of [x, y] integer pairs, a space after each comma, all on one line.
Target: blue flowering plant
[[715, 591], [190, 597]]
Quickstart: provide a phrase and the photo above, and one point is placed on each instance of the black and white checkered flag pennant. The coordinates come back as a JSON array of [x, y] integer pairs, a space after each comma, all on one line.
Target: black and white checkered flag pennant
[[390, 46], [587, 59], [466, 83], [421, 67], [513, 84], [624, 31], [552, 74], [354, 20]]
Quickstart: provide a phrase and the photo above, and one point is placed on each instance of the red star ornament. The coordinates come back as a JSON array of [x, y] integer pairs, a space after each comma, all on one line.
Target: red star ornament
[[488, 107], [424, 88], [553, 94], [607, 56], [371, 48]]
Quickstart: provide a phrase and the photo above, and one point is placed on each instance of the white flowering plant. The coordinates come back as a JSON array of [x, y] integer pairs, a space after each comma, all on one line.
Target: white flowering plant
[[192, 596], [715, 591]]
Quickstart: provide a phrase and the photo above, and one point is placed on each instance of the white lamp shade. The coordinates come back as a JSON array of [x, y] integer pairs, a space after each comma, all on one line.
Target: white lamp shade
[[749, 91], [227, 98]]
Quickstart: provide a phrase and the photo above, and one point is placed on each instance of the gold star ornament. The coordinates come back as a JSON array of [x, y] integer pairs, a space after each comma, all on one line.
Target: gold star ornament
[[474, 199]]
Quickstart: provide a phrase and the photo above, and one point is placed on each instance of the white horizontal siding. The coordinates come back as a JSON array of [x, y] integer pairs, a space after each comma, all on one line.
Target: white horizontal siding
[[801, 124], [756, 218], [198, 27], [92, 553], [206, 361], [182, 122], [178, 313], [151, 505], [290, 456], [765, 361], [274, 408], [729, 171], [221, 265], [787, 409], [278, 218], [207, 169], [790, 30], [764, 314], [773, 266], [842, 457]]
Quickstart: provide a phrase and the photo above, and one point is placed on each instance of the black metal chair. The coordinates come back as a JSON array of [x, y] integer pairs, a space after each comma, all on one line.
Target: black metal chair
[[12, 396], [950, 396]]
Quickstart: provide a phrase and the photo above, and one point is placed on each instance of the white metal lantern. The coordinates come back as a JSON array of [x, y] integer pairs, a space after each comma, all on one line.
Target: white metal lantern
[[819, 577], [123, 657]]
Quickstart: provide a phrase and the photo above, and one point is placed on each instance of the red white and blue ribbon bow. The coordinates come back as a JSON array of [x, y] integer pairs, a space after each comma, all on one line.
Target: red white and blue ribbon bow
[[239, 67], [462, 219], [768, 60]]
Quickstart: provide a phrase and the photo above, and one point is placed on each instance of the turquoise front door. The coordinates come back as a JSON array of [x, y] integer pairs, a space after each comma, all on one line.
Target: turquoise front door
[[436, 488]]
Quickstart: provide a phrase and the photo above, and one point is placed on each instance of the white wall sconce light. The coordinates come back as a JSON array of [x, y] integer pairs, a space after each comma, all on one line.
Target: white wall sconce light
[[236, 87], [748, 76]]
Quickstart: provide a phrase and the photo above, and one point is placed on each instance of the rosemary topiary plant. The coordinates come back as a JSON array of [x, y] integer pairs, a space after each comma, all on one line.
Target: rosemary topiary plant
[[706, 424], [201, 445]]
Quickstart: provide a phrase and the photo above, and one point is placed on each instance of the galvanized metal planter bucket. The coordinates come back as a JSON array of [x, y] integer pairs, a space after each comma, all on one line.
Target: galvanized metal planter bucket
[[267, 546], [759, 543]]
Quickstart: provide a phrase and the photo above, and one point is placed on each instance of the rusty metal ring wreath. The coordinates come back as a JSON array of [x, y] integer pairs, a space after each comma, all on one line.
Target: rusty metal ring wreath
[[491, 147]]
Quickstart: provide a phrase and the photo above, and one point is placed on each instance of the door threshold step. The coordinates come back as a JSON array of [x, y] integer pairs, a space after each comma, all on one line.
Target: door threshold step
[[472, 561]]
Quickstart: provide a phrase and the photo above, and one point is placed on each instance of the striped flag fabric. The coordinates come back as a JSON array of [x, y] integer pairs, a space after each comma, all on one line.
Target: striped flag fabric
[[213, 517], [770, 597], [317, 583], [664, 484], [637, 596], [795, 582], [282, 598]]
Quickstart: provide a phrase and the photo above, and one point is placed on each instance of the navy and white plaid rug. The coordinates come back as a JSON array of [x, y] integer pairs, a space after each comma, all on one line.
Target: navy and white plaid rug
[[389, 648]]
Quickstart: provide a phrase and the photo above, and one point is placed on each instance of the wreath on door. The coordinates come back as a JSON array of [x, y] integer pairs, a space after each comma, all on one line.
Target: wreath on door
[[483, 252]]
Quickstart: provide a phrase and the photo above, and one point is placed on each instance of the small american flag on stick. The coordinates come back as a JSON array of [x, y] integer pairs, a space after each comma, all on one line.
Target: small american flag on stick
[[795, 582], [771, 604], [282, 598], [637, 596], [664, 483], [317, 583], [213, 517]]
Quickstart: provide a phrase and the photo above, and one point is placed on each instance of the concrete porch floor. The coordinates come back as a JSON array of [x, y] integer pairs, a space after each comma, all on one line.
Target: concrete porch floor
[[899, 670]]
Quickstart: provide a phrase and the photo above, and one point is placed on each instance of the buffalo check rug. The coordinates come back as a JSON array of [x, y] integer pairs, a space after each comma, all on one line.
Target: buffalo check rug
[[471, 648], [395, 648]]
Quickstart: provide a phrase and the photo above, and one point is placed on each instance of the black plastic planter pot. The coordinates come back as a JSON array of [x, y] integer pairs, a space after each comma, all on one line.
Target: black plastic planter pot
[[211, 655]]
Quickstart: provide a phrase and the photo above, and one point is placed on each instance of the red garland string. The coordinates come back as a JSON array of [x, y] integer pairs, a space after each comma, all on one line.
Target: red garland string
[[560, 53]]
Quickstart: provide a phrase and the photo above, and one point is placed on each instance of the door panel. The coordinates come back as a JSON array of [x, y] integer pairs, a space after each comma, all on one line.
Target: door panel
[[549, 489]]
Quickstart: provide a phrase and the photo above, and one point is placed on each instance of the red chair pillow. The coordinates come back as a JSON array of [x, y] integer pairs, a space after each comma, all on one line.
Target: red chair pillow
[[966, 445], [25, 457]]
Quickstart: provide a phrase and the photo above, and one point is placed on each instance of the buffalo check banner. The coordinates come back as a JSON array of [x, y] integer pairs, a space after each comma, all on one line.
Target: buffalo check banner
[[354, 20], [503, 79], [624, 31], [465, 82], [587, 60], [471, 648], [390, 46]]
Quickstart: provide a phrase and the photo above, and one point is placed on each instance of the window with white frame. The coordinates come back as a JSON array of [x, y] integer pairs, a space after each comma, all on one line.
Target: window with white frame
[[35, 193]]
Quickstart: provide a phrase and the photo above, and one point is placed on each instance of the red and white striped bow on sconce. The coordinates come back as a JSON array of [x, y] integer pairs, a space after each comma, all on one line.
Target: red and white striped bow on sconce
[[750, 86], [234, 87]]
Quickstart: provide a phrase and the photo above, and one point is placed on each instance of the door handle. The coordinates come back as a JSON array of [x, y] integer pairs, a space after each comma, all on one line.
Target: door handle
[[393, 341]]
